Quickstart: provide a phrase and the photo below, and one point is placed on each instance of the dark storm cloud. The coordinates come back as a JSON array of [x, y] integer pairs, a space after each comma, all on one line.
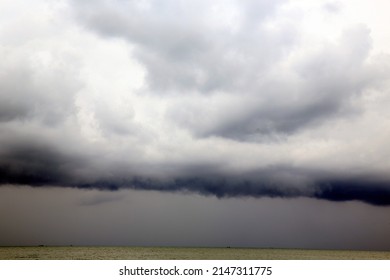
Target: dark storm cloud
[[374, 192], [38, 165]]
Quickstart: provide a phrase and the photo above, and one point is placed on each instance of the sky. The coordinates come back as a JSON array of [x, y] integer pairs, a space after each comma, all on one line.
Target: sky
[[195, 123]]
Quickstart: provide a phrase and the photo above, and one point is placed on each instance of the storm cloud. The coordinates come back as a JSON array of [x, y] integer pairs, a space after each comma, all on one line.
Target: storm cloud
[[229, 99]]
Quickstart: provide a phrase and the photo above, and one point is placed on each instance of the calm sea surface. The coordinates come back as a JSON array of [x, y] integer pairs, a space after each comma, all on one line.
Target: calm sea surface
[[173, 253]]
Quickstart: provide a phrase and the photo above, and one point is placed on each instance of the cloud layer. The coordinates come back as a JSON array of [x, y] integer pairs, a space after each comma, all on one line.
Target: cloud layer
[[254, 98]]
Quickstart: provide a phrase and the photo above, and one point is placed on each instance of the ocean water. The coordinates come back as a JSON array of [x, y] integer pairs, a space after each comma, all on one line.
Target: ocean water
[[181, 253]]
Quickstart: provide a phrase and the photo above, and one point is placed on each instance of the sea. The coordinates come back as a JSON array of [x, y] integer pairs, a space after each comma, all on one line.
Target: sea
[[182, 253]]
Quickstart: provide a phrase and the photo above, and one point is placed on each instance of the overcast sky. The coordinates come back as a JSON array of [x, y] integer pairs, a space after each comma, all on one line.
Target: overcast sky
[[175, 116]]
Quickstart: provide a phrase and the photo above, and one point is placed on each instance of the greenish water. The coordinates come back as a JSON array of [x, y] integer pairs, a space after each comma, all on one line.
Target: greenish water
[[181, 253]]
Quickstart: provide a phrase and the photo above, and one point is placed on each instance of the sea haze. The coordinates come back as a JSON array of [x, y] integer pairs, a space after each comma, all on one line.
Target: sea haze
[[65, 216], [189, 123]]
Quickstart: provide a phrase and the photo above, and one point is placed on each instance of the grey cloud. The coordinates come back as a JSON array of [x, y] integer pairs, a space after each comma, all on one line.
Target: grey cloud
[[182, 50], [185, 55], [332, 7], [31, 91], [322, 88]]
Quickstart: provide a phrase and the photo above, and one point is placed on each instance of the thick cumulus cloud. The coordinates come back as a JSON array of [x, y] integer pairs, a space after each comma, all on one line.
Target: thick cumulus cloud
[[230, 98], [230, 57]]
